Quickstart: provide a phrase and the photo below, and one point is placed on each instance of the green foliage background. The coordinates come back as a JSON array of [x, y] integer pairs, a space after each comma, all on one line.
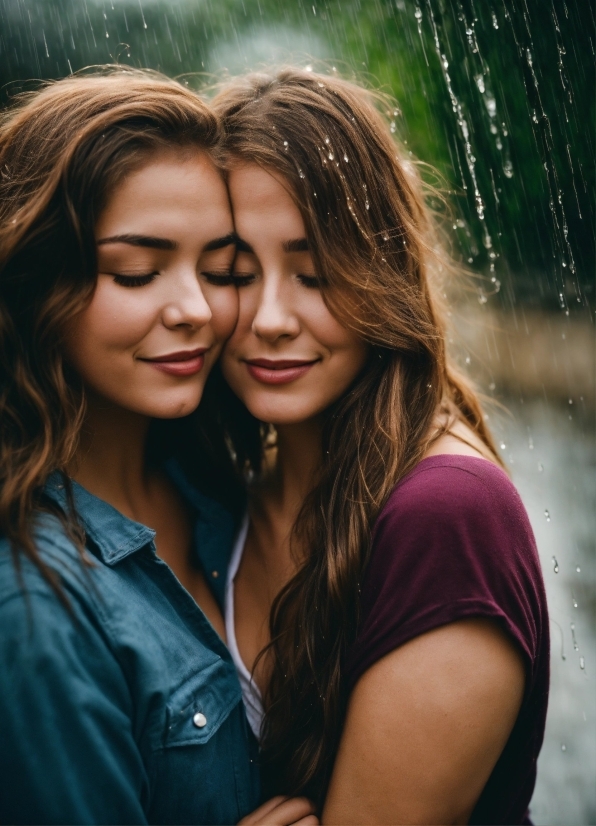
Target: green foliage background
[[521, 74]]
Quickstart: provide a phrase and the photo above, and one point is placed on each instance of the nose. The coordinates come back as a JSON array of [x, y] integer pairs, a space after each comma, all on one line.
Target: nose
[[275, 317], [186, 306]]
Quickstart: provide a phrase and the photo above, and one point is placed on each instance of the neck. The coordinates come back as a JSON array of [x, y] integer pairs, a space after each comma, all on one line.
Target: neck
[[298, 461], [110, 460]]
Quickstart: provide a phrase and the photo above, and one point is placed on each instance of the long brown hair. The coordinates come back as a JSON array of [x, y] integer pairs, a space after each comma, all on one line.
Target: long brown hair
[[373, 240], [62, 150]]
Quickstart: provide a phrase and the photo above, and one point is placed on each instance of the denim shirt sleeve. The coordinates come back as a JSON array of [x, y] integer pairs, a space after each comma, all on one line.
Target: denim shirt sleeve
[[66, 710]]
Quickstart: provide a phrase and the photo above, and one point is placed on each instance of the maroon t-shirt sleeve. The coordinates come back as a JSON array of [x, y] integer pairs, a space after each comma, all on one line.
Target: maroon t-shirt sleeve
[[453, 541]]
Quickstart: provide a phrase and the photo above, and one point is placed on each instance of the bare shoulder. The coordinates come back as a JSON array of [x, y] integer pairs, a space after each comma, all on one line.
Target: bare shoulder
[[460, 440]]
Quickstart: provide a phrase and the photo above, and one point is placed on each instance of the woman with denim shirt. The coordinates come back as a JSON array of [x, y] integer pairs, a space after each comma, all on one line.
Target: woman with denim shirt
[[119, 702]]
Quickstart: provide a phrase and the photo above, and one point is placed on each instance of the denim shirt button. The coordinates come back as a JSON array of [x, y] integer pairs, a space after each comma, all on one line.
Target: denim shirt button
[[199, 720]]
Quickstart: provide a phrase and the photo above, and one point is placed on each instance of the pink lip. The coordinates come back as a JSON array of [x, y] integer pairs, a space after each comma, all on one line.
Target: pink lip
[[181, 363], [279, 371]]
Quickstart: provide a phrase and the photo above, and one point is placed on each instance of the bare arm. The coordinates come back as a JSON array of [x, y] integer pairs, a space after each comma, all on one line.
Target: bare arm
[[425, 726]]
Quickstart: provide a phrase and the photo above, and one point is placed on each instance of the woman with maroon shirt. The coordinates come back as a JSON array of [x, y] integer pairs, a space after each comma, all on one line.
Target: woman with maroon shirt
[[385, 606]]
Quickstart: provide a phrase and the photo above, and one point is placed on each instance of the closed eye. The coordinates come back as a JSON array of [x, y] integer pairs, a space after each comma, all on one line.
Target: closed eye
[[139, 280], [219, 278], [313, 282], [243, 279]]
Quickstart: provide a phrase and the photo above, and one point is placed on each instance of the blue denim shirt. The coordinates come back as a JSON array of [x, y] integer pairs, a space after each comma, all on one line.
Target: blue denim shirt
[[128, 709]]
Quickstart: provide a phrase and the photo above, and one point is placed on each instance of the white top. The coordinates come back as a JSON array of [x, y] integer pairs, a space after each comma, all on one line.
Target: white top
[[250, 692]]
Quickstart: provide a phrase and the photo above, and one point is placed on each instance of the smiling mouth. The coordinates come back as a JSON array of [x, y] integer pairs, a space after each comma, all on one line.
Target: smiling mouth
[[182, 363], [278, 371]]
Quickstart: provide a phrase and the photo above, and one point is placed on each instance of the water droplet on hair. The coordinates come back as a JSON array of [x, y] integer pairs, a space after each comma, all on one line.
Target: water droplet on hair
[[346, 158], [301, 174], [392, 127], [327, 140], [555, 565], [331, 156], [508, 169], [492, 385], [495, 21], [547, 515], [418, 13], [286, 144]]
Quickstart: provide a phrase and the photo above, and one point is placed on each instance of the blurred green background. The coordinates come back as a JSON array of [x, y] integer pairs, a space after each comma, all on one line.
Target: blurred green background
[[498, 96], [518, 72]]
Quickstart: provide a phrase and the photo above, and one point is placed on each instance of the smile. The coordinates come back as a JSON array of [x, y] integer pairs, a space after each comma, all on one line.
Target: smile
[[181, 363], [280, 371]]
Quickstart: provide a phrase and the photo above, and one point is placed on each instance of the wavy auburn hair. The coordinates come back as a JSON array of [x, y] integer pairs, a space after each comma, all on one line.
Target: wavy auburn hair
[[374, 244], [62, 151]]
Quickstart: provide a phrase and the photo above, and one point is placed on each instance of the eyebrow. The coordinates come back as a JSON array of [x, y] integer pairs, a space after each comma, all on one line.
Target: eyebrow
[[166, 243], [295, 245]]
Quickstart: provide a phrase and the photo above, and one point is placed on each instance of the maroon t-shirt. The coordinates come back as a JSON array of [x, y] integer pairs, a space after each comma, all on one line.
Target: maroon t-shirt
[[454, 541]]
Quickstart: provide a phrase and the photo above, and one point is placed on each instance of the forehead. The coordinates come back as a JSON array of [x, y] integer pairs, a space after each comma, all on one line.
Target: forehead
[[167, 191], [263, 204]]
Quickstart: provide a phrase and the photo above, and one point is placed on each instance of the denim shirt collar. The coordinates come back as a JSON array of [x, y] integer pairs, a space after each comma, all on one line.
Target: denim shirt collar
[[116, 536]]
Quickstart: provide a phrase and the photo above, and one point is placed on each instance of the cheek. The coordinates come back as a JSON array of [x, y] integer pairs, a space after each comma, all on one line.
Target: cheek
[[115, 319]]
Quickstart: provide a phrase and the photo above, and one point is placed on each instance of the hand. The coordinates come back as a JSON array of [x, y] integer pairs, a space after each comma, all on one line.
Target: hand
[[283, 811]]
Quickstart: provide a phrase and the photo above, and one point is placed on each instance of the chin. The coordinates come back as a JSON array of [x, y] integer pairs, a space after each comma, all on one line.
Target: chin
[[281, 412], [172, 408]]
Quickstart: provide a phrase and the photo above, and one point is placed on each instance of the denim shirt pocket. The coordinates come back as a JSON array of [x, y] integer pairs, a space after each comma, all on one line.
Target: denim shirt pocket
[[198, 708], [203, 758]]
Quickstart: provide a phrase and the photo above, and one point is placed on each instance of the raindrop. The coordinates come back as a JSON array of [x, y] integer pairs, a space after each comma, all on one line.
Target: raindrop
[[563, 747], [502, 445], [575, 645], [468, 359], [582, 663], [492, 385], [555, 564], [540, 467], [547, 515], [530, 443], [574, 602], [578, 570]]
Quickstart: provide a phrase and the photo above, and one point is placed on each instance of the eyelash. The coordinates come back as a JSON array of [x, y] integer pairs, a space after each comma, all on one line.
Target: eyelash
[[223, 279], [134, 280], [311, 282]]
